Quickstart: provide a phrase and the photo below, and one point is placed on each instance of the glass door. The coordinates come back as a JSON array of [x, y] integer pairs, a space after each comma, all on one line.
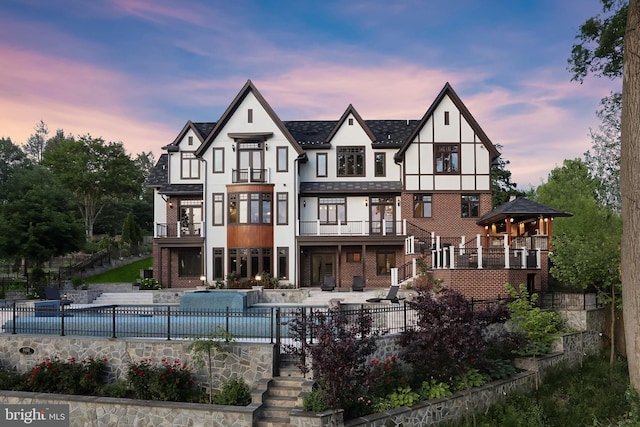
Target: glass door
[[322, 265]]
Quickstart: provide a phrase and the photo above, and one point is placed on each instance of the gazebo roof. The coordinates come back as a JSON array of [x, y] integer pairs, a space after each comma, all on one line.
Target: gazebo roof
[[520, 209]]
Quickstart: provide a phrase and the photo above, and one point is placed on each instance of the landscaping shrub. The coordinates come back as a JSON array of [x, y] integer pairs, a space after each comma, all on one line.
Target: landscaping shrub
[[169, 381], [235, 391], [448, 339], [339, 354], [53, 375], [539, 326], [315, 401]]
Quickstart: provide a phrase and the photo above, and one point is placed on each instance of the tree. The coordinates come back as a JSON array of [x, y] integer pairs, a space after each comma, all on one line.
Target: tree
[[96, 172], [586, 247], [502, 189], [630, 189], [604, 159], [131, 232], [11, 158], [340, 347], [601, 47], [36, 221], [35, 146]]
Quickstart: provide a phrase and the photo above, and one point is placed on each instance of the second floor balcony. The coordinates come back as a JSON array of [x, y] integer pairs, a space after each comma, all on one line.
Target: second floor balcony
[[250, 175], [179, 229], [353, 228]]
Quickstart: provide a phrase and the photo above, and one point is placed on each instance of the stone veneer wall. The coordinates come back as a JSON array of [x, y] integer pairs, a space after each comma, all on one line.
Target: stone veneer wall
[[107, 412], [253, 362]]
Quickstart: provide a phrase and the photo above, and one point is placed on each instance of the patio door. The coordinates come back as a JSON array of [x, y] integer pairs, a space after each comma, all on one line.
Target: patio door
[[382, 215], [322, 265]]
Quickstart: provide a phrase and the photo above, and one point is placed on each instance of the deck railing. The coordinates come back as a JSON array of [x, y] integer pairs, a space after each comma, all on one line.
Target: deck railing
[[179, 229], [352, 228]]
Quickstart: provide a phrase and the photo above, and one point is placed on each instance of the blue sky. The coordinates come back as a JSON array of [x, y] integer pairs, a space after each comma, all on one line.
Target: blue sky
[[136, 70]]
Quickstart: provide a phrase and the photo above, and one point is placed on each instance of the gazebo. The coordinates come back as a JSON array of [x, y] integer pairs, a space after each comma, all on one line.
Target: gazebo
[[525, 223]]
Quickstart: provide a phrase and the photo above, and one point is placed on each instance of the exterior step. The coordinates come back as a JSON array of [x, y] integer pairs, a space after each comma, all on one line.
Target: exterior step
[[274, 422], [281, 397], [121, 298]]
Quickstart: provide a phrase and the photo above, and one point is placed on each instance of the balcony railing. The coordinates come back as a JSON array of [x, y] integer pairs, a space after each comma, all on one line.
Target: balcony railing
[[179, 229], [352, 228], [250, 175]]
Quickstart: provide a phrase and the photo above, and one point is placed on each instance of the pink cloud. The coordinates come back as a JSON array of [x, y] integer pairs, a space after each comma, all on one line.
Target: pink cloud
[[73, 96]]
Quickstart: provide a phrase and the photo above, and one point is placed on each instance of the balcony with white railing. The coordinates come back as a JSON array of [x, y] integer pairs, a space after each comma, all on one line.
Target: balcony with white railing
[[179, 230], [250, 175], [352, 228]]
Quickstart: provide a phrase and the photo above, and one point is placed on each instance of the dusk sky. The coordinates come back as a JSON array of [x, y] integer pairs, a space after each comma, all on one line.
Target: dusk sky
[[136, 70]]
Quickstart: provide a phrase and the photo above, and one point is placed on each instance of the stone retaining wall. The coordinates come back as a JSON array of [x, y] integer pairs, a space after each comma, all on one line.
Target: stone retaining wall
[[107, 412], [252, 362]]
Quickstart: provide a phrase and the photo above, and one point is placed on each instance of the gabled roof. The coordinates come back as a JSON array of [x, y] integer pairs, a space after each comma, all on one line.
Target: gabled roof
[[200, 129], [246, 89], [159, 178], [520, 208], [351, 111], [447, 90]]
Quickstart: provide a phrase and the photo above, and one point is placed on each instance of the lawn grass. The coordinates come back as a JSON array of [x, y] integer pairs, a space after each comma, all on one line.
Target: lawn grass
[[127, 273], [587, 395]]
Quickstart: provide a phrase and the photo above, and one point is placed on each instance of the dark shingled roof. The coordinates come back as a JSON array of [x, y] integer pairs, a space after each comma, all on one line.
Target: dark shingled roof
[[350, 187], [205, 128], [159, 177], [314, 133], [520, 208]]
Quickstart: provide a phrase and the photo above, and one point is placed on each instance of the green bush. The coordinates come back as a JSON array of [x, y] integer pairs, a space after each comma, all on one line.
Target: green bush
[[434, 389], [149, 284], [540, 327], [315, 401], [234, 392]]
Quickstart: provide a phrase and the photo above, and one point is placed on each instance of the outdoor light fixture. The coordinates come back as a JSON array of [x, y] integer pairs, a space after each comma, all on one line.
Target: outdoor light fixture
[[171, 205], [203, 279], [304, 203], [266, 147], [233, 148]]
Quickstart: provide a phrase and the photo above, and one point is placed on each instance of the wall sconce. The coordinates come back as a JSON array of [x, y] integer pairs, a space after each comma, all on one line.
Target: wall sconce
[[366, 203], [398, 202], [170, 205], [304, 203], [233, 147], [266, 146]]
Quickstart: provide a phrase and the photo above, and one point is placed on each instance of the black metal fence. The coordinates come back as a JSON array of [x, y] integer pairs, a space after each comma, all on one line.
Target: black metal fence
[[170, 322], [264, 324]]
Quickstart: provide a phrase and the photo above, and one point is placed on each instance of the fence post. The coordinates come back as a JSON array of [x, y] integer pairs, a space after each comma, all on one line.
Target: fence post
[[404, 307], [227, 321], [61, 319], [168, 323], [278, 319], [113, 321], [14, 317], [273, 324]]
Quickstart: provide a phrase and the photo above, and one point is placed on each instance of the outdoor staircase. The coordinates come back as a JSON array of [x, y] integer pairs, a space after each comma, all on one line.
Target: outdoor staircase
[[124, 298], [283, 394]]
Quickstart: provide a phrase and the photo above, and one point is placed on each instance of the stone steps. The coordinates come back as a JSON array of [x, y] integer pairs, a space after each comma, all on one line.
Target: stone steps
[[281, 397], [124, 298]]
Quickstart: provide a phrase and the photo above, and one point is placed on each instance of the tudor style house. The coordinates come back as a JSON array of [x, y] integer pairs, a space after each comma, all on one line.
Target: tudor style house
[[320, 202]]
